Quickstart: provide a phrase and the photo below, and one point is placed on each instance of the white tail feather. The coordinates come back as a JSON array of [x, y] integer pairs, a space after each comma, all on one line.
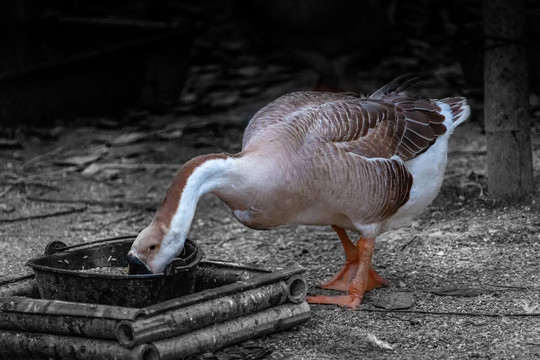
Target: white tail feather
[[455, 109]]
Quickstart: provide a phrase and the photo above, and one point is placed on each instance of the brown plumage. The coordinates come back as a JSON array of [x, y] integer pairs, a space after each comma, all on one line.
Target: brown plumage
[[362, 163]]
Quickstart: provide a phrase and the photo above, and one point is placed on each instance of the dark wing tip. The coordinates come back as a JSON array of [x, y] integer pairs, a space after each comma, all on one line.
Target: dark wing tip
[[399, 84]]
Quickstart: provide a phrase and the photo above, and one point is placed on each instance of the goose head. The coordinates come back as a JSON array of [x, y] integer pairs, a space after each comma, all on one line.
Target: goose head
[[154, 248], [164, 238]]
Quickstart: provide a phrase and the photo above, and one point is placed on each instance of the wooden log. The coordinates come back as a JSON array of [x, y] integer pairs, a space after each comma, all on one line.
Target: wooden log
[[215, 337], [297, 289], [209, 294], [213, 273], [20, 286], [62, 325], [58, 307], [101, 321], [508, 129], [201, 315], [27, 345], [62, 317]]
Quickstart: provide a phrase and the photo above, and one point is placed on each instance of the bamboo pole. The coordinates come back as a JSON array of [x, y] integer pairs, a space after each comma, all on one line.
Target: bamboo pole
[[62, 325], [58, 307], [62, 317], [101, 321], [211, 274], [201, 315], [297, 289], [215, 337], [25, 345], [20, 286], [209, 294]]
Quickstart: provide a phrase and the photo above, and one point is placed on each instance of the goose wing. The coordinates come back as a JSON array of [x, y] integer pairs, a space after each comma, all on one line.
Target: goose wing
[[358, 144], [380, 126]]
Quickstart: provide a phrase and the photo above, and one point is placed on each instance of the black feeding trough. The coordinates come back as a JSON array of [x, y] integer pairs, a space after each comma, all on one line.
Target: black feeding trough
[[85, 315], [65, 275]]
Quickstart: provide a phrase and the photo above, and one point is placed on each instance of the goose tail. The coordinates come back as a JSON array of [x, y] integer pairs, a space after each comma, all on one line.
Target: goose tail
[[459, 110]]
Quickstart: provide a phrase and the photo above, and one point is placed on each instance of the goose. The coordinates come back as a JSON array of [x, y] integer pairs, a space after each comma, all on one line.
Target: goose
[[363, 163]]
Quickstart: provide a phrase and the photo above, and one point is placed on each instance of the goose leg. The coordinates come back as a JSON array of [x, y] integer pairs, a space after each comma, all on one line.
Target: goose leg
[[359, 283], [342, 280]]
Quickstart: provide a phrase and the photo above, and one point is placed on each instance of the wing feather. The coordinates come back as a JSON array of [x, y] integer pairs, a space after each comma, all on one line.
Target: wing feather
[[364, 141], [381, 126]]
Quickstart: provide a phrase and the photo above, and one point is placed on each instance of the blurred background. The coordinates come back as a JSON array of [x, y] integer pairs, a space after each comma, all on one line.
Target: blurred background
[[63, 60], [173, 79]]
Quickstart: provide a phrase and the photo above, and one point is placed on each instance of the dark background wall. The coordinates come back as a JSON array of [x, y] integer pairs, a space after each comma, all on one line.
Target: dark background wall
[[65, 59]]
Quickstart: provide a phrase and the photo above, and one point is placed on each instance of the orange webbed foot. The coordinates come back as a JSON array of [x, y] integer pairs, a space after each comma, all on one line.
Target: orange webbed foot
[[375, 280], [346, 301], [342, 280], [357, 275]]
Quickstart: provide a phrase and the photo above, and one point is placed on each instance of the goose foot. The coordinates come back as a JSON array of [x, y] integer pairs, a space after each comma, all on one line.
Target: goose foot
[[342, 280], [356, 256], [357, 275], [346, 301]]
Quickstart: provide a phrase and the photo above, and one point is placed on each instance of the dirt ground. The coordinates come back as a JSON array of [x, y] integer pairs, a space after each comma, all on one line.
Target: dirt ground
[[96, 178]]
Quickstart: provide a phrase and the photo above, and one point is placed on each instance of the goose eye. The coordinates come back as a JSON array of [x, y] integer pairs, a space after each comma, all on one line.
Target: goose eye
[[152, 247]]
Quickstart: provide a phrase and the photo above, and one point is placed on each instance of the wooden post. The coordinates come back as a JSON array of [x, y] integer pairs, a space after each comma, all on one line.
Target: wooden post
[[506, 102]]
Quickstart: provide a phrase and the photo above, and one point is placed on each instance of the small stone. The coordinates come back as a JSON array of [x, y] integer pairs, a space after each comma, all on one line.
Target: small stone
[[395, 301]]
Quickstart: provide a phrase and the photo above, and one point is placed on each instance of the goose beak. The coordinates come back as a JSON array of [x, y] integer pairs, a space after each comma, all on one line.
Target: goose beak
[[136, 266]]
